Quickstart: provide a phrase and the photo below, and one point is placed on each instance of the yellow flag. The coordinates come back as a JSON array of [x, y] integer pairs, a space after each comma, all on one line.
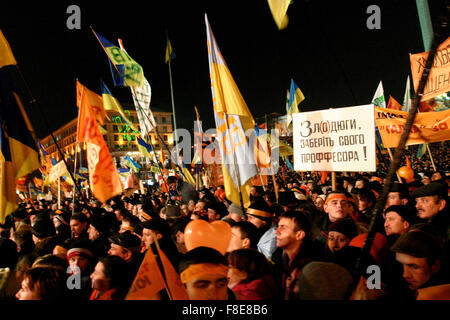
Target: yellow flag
[[233, 119], [6, 55], [103, 176], [149, 280], [279, 9]]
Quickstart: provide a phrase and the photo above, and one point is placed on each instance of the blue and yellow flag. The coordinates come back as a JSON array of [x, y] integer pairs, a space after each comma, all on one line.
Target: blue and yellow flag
[[170, 54], [146, 149], [233, 119], [296, 97], [124, 66], [18, 150], [132, 164]]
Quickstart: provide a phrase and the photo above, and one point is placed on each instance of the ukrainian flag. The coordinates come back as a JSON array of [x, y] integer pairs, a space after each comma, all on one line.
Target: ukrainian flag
[[18, 150], [170, 54], [296, 96], [132, 164]]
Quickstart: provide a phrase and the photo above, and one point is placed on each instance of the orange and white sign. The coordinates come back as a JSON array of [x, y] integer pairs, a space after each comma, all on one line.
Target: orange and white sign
[[428, 126], [439, 79]]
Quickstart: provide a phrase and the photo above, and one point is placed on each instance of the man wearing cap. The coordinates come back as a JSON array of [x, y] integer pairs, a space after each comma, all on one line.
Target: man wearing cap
[[158, 229], [420, 254], [432, 207], [398, 220], [398, 195], [260, 214], [128, 247], [235, 213], [81, 261]]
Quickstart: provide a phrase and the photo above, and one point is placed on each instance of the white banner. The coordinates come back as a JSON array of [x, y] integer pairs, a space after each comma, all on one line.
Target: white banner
[[335, 140]]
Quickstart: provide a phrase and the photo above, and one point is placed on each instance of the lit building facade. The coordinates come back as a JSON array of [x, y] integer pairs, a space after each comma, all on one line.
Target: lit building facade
[[119, 137]]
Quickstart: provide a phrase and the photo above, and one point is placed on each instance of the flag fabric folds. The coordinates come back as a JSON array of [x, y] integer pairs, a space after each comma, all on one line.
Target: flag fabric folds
[[394, 104], [94, 100], [174, 284], [378, 98], [148, 281], [131, 164], [407, 97], [146, 148], [18, 150], [233, 119], [133, 74], [111, 103], [170, 54], [6, 55], [295, 98], [279, 9], [103, 176]]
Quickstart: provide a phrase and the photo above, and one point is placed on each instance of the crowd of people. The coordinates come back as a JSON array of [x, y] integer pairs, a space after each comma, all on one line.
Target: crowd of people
[[298, 240]]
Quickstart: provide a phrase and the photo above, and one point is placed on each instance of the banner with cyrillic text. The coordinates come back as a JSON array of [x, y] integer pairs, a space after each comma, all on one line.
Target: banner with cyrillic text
[[335, 140], [428, 126], [439, 79]]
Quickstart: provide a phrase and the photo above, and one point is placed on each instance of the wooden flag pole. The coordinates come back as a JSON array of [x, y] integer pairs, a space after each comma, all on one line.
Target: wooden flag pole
[[431, 157]]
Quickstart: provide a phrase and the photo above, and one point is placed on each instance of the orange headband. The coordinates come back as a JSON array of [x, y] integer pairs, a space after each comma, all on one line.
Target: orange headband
[[259, 213], [196, 270], [336, 196]]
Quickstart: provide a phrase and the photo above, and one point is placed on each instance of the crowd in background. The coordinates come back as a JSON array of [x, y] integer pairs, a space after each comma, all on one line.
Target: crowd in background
[[298, 239]]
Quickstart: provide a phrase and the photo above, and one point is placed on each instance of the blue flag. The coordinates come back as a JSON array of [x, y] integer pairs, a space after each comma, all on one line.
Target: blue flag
[[145, 145]]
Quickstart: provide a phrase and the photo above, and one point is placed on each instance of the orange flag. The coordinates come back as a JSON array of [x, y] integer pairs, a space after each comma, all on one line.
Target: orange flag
[[174, 284], [94, 100], [131, 181], [149, 280], [394, 104], [103, 176]]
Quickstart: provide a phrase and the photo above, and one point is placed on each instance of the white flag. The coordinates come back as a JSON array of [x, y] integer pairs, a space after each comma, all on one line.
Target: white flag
[[378, 99]]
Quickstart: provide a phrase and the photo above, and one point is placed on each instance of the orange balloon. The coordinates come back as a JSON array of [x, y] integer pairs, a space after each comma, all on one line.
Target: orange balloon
[[407, 173], [199, 233]]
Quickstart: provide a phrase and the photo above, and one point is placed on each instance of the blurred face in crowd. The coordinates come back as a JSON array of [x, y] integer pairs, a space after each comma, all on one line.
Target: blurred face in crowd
[[359, 184], [79, 261], [184, 209], [256, 221], [26, 293], [363, 204], [319, 203], [336, 241], [212, 215], [235, 217], [426, 180], [120, 251], [287, 235], [336, 209], [416, 271], [235, 276], [200, 205], [436, 176], [93, 233], [99, 280], [395, 224], [148, 237], [237, 242], [180, 237], [428, 207], [208, 287], [77, 227], [395, 199]]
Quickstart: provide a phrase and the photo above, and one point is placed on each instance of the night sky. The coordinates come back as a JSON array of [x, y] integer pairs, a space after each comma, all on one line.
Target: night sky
[[327, 49]]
